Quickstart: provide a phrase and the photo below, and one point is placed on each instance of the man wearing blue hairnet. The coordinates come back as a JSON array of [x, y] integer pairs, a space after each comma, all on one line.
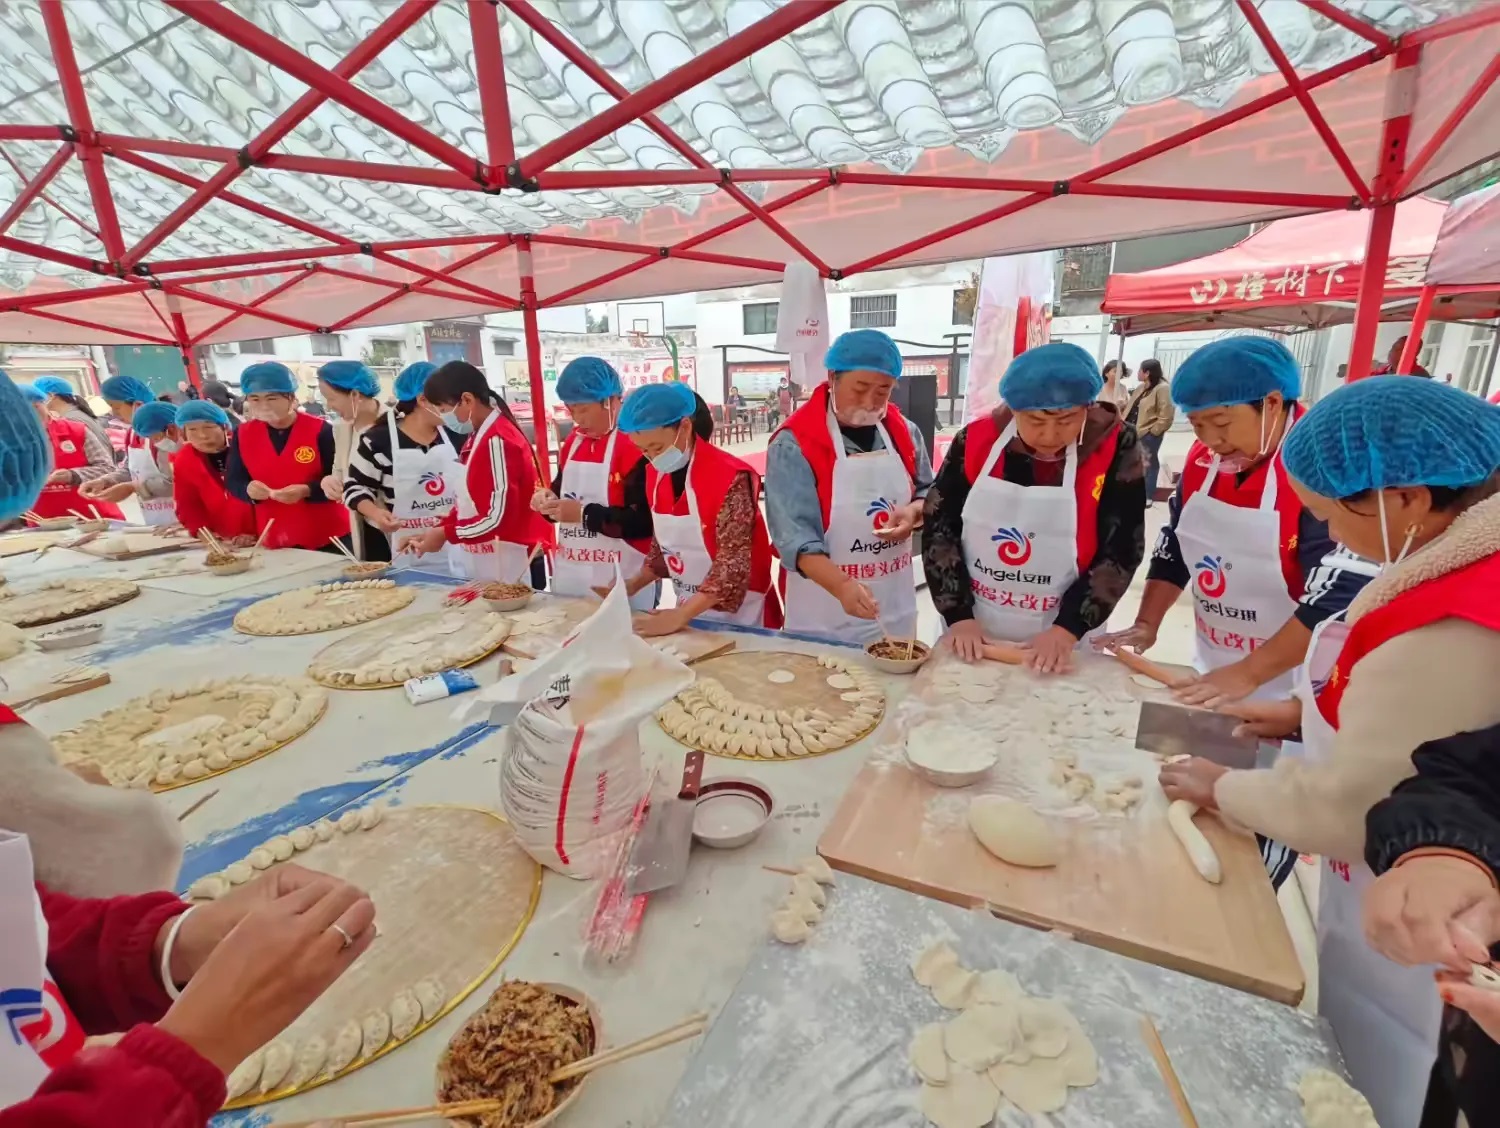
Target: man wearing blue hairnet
[[1406, 472], [845, 479], [1263, 570], [1036, 523], [598, 498], [147, 473], [78, 456]]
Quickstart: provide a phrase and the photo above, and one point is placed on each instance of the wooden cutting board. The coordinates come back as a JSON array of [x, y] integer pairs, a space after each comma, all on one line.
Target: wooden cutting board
[[18, 544], [1130, 890], [693, 645], [50, 689], [137, 545]]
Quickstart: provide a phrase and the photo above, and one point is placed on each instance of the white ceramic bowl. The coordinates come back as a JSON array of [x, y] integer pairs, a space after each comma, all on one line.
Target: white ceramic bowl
[[920, 651], [515, 604], [69, 637], [731, 812], [957, 776]]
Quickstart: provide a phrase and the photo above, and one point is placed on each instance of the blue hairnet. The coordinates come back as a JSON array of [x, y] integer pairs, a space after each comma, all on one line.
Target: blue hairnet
[[588, 379], [413, 377], [126, 389], [864, 350], [1236, 370], [153, 418], [350, 376], [657, 405], [1393, 431], [269, 377], [201, 411], [32, 394], [25, 452], [54, 386], [1052, 377]]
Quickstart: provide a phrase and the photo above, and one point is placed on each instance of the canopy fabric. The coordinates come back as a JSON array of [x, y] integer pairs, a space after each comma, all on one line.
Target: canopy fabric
[[186, 171], [1301, 273], [1468, 244]]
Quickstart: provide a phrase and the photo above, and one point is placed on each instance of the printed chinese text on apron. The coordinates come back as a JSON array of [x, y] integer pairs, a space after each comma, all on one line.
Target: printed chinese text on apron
[[866, 490], [141, 463], [494, 560], [1238, 588], [1385, 1016], [586, 560], [424, 487], [688, 559], [1021, 547]]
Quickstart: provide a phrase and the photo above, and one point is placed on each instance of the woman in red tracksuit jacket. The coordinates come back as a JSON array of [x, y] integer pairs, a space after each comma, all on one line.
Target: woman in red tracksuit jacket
[[199, 494], [493, 521]]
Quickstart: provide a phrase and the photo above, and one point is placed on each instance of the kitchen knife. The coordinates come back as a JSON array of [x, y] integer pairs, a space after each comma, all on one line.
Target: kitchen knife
[[1181, 730], [660, 857]]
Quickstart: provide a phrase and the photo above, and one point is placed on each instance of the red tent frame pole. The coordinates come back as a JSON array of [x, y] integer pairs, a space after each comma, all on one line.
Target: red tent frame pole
[[424, 286], [1414, 335], [274, 292], [62, 258], [541, 417], [185, 346], [1391, 166], [1439, 138], [502, 301], [489, 75], [35, 186], [81, 121], [239, 307]]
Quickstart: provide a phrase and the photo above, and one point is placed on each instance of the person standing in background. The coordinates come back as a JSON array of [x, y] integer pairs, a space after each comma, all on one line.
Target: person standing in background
[[786, 403], [1393, 362], [157, 424], [216, 393], [123, 394], [1113, 392], [1149, 410]]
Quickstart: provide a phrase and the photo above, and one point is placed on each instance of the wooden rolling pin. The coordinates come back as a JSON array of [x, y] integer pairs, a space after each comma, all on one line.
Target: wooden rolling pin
[[1139, 665], [1007, 652]]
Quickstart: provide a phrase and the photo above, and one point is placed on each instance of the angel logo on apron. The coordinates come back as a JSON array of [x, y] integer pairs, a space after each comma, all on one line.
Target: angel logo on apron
[[585, 559], [688, 558], [1238, 588], [141, 462], [1387, 1017], [1021, 547], [424, 484], [494, 560], [867, 489]]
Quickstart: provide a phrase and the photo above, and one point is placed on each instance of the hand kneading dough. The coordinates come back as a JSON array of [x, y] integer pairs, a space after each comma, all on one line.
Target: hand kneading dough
[[969, 1100], [1328, 1101], [1013, 832], [928, 1057]]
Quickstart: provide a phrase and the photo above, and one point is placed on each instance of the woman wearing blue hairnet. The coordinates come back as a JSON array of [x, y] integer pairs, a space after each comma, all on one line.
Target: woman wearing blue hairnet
[[64, 402], [403, 474], [199, 492], [1037, 519], [352, 392], [1263, 569], [845, 478], [1405, 472], [599, 497], [78, 456], [147, 473]]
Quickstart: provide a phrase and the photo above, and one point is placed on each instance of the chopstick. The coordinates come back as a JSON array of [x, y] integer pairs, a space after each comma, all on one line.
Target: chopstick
[[529, 559], [339, 544], [685, 1029], [1168, 1074], [183, 817]]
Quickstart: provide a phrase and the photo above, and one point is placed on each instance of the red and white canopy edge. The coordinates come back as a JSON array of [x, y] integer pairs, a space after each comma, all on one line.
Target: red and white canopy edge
[[1466, 260], [1301, 273], [183, 172]]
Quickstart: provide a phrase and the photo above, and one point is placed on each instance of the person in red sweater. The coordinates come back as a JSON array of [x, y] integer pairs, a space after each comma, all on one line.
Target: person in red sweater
[[493, 521], [198, 490]]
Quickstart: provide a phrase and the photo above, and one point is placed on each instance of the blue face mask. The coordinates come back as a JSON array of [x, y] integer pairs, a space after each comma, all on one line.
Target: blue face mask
[[455, 424], [673, 458]]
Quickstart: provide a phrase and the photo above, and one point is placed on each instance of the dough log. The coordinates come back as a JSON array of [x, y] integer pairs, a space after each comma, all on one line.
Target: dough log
[[1200, 853]]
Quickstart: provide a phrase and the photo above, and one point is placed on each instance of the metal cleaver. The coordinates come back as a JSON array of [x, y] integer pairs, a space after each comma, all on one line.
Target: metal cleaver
[[1180, 730], [660, 856]]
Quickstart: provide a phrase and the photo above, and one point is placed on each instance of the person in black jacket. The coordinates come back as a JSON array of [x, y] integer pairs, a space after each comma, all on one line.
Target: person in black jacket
[[1435, 842]]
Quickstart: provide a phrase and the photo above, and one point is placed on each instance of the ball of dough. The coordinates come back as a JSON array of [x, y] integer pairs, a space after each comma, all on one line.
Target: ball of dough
[[239, 872], [1013, 832], [260, 858]]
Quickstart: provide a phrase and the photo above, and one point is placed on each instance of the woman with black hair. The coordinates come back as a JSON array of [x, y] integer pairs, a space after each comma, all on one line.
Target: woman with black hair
[[492, 521], [1149, 410], [404, 470]]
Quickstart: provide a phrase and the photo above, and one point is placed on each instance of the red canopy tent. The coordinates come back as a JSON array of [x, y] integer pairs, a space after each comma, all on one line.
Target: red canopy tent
[[184, 172], [1304, 272]]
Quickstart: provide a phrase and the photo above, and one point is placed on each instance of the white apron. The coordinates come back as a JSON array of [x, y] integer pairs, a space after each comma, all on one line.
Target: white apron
[[495, 561], [37, 1031], [155, 511], [585, 560], [688, 559], [425, 484], [1238, 588], [1021, 546], [866, 489], [1385, 1016]]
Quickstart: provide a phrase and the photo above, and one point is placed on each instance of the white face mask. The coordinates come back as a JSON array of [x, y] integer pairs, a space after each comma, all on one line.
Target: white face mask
[[168, 446], [1385, 539], [1237, 463]]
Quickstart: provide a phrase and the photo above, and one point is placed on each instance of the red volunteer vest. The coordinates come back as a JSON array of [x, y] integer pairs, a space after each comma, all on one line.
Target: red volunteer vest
[[809, 426], [1469, 593], [1088, 485], [626, 457], [711, 474], [303, 524], [68, 440], [199, 493]]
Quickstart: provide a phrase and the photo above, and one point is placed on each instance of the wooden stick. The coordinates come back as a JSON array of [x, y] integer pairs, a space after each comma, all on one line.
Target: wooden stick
[[1168, 1074], [262, 538], [782, 869], [402, 1115], [1133, 661], [911, 644], [527, 568], [688, 1028], [339, 544], [183, 817]]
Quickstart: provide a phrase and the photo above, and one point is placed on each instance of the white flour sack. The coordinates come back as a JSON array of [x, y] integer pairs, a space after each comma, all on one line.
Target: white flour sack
[[571, 770]]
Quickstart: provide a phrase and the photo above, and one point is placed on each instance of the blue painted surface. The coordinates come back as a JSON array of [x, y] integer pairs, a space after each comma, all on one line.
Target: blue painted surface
[[244, 1118]]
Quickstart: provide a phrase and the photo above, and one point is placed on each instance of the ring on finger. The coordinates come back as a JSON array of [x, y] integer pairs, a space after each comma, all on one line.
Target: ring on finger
[[347, 939]]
